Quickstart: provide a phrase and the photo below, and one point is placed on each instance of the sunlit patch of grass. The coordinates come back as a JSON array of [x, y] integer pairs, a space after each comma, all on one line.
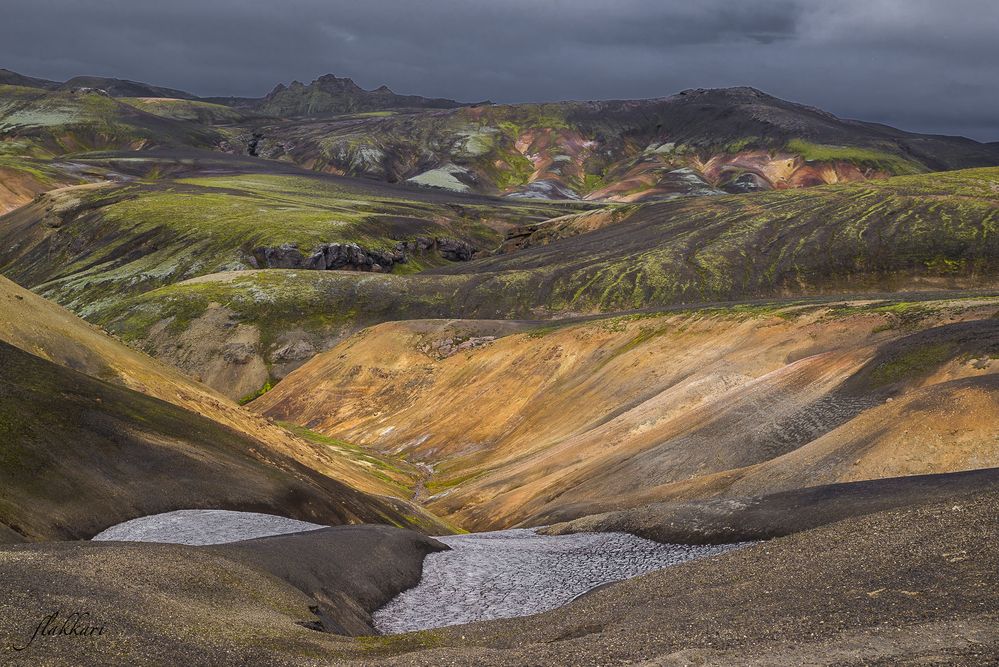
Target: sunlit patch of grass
[[889, 162], [911, 363]]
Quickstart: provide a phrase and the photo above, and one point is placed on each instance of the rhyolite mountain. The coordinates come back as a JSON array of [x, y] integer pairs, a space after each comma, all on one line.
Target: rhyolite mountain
[[697, 142]]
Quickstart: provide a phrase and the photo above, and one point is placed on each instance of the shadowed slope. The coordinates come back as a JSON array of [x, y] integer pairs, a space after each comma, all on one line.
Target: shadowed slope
[[723, 521], [80, 455], [46, 330]]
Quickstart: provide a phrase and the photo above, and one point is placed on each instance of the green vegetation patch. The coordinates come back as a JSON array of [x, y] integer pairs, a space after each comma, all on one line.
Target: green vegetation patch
[[267, 386], [912, 363], [394, 471], [867, 157]]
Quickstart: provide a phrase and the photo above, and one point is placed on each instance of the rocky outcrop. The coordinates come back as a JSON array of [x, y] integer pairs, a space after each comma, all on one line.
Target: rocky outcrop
[[453, 250], [442, 349], [352, 257], [331, 94]]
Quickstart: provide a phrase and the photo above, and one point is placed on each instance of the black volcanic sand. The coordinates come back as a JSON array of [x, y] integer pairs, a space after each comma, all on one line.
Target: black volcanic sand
[[895, 587], [726, 520]]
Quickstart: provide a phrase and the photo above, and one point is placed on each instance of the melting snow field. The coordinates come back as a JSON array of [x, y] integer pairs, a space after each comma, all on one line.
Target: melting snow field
[[517, 572], [201, 527]]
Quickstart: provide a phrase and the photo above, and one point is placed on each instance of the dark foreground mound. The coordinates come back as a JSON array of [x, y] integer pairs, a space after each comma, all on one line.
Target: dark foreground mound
[[349, 570], [78, 455], [253, 602], [904, 586], [727, 520]]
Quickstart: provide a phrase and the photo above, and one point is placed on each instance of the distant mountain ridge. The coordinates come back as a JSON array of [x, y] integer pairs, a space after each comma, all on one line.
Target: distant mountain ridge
[[326, 95], [698, 142], [10, 78], [329, 95], [110, 85], [125, 88]]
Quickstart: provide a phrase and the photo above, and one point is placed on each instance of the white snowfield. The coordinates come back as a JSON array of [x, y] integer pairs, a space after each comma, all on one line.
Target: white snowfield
[[200, 527], [517, 572]]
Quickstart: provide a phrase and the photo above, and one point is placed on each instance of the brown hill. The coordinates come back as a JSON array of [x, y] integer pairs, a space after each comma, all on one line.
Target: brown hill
[[557, 422]]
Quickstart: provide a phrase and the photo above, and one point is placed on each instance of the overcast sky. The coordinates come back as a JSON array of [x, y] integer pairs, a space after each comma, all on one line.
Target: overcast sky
[[922, 65]]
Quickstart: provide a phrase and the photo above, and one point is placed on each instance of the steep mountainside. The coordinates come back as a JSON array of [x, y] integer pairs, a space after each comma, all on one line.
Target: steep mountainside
[[697, 142], [547, 423]]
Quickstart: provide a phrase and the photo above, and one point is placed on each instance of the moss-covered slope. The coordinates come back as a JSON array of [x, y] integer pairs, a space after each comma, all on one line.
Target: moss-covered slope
[[933, 231], [89, 247]]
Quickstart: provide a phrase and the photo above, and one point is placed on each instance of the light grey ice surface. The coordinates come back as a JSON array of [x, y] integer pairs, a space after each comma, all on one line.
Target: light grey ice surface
[[203, 527], [517, 572]]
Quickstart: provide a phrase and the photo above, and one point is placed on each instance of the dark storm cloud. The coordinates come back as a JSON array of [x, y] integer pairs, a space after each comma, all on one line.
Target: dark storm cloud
[[924, 65]]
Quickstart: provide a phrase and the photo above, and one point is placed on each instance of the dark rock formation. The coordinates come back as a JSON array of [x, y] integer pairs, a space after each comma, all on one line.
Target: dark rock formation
[[352, 257], [286, 256], [454, 250]]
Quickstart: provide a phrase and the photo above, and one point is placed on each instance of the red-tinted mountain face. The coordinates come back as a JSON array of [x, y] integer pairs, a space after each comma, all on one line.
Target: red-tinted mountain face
[[697, 142]]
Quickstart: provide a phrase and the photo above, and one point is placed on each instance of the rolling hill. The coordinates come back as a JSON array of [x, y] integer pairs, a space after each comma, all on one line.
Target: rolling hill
[[537, 424], [921, 232]]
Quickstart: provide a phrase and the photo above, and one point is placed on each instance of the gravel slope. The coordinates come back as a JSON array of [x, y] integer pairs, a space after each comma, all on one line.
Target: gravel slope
[[723, 520]]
